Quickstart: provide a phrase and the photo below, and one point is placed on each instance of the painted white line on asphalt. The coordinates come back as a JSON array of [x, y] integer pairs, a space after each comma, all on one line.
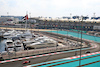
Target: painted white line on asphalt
[[38, 56], [27, 57], [74, 57], [12, 60], [64, 58], [18, 59], [84, 55]]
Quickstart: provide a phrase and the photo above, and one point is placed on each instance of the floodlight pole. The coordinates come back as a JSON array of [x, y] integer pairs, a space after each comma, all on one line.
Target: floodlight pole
[[81, 43]]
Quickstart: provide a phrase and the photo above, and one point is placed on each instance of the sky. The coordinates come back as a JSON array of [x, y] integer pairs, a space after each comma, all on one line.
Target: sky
[[50, 8]]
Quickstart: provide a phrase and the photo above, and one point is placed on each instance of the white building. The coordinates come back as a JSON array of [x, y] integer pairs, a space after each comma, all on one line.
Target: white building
[[9, 20]]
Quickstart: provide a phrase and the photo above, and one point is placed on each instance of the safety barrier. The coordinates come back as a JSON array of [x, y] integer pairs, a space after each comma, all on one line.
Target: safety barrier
[[36, 52]]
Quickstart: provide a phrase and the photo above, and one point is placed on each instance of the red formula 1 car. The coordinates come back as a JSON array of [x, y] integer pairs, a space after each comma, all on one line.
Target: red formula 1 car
[[25, 62]]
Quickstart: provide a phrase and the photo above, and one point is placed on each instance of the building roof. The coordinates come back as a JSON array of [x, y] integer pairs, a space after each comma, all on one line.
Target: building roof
[[69, 20]]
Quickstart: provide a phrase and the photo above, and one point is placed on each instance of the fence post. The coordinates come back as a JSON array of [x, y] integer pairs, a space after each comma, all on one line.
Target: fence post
[[27, 51]]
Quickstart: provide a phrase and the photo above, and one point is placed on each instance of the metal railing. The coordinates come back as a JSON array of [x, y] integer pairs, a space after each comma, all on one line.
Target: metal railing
[[24, 53]]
